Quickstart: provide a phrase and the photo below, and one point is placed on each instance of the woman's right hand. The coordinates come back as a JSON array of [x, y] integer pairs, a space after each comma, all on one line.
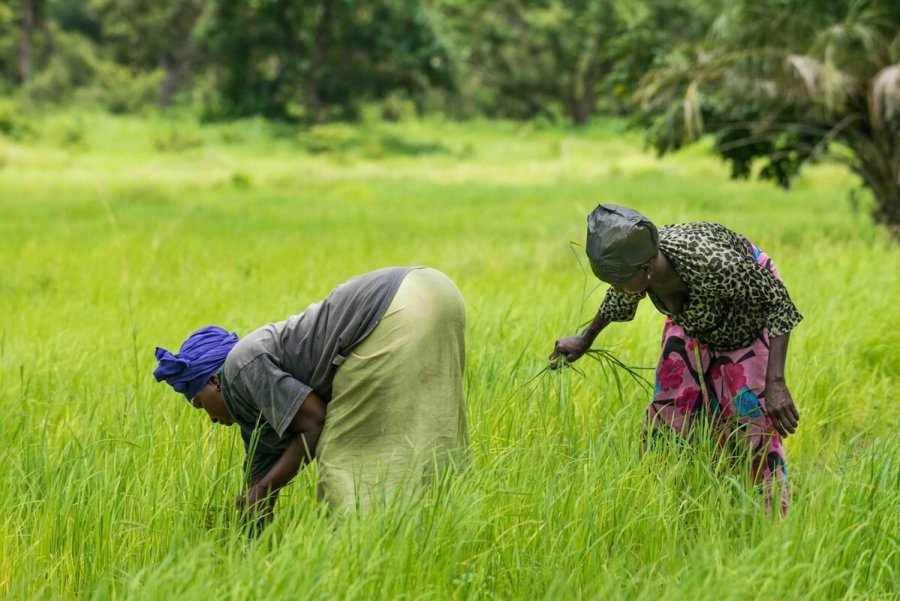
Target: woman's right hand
[[571, 348]]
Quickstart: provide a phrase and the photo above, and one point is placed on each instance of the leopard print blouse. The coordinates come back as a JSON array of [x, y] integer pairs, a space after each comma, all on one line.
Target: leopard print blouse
[[731, 297]]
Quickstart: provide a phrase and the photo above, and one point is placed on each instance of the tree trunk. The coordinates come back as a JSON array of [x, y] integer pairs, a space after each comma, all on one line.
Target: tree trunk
[[887, 207], [583, 98], [41, 23], [581, 107], [877, 150], [881, 175], [170, 81], [314, 106], [320, 46], [179, 64], [179, 67], [24, 58]]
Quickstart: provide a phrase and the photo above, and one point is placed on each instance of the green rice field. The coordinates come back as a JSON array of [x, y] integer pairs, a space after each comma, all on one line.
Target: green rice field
[[118, 234]]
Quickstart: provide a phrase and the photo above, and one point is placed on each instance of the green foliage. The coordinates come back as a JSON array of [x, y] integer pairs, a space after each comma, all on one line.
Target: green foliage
[[778, 83], [787, 83], [124, 90], [76, 72], [398, 106], [324, 60], [9, 30], [316, 61], [155, 35], [176, 139], [241, 180], [13, 124], [140, 34], [76, 16], [66, 132], [329, 138], [563, 59], [73, 65], [370, 141]]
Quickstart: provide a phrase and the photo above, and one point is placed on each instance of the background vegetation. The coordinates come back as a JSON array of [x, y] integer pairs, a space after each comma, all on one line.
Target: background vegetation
[[780, 82]]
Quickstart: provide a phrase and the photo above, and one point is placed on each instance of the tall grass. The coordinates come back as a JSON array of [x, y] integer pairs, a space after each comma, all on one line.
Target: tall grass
[[114, 488]]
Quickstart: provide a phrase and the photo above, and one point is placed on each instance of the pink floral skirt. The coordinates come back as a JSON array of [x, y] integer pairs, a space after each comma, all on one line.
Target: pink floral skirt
[[727, 391]]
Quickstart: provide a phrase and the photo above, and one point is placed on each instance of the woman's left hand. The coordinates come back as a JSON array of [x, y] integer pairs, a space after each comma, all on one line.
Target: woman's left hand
[[780, 408], [256, 504]]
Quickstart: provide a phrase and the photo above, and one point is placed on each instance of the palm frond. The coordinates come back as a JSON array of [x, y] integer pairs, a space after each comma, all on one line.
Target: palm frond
[[808, 70], [858, 35], [693, 115], [884, 100]]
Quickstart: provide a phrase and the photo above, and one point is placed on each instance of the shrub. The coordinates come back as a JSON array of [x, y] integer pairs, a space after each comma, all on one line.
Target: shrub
[[333, 137], [73, 65], [12, 124], [177, 139], [122, 90]]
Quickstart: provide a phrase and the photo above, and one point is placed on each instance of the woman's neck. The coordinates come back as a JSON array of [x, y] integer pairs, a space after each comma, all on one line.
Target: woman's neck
[[663, 276]]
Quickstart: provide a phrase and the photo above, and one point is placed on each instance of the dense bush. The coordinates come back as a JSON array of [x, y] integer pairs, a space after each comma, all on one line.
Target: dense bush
[[12, 123]]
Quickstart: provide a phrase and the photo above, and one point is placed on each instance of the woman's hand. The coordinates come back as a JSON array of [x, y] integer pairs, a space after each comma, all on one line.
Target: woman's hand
[[573, 347], [254, 500], [257, 506], [250, 498], [570, 347], [780, 408]]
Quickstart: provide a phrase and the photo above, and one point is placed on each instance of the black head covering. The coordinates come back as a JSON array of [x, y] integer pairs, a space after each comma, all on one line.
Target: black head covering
[[619, 241]]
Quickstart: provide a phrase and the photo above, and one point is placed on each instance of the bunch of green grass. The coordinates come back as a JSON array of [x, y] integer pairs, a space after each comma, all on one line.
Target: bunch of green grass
[[612, 369]]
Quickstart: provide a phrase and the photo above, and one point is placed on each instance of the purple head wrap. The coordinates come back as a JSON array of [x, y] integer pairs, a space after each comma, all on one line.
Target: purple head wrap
[[200, 357]]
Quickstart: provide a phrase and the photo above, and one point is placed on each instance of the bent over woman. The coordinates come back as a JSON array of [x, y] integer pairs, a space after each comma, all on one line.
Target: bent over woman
[[367, 381], [725, 338]]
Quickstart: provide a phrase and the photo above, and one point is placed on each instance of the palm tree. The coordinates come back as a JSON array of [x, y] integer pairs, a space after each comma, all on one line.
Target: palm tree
[[790, 82]]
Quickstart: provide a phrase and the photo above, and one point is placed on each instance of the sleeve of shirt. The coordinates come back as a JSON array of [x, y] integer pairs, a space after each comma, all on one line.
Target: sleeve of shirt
[[276, 394], [747, 280], [620, 306]]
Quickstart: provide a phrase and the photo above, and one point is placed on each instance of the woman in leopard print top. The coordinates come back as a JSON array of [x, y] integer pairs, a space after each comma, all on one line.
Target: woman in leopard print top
[[725, 339]]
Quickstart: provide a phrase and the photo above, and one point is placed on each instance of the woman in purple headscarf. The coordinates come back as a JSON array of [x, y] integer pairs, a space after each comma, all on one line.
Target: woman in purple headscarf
[[725, 338], [368, 382]]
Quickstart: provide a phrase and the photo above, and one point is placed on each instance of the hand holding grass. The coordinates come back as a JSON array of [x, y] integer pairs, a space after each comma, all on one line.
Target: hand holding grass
[[571, 348], [257, 503], [257, 507], [254, 498]]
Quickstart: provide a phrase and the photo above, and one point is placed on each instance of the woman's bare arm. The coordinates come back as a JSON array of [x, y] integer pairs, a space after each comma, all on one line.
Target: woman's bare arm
[[780, 406], [306, 428]]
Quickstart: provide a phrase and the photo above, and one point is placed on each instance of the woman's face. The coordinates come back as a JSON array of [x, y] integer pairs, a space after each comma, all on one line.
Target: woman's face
[[211, 400], [636, 284]]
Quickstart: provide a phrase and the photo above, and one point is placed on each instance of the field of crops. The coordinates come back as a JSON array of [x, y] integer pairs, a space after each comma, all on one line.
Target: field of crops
[[120, 234]]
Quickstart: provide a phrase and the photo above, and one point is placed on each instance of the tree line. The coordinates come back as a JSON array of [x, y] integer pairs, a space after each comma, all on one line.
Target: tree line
[[319, 60], [777, 83]]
